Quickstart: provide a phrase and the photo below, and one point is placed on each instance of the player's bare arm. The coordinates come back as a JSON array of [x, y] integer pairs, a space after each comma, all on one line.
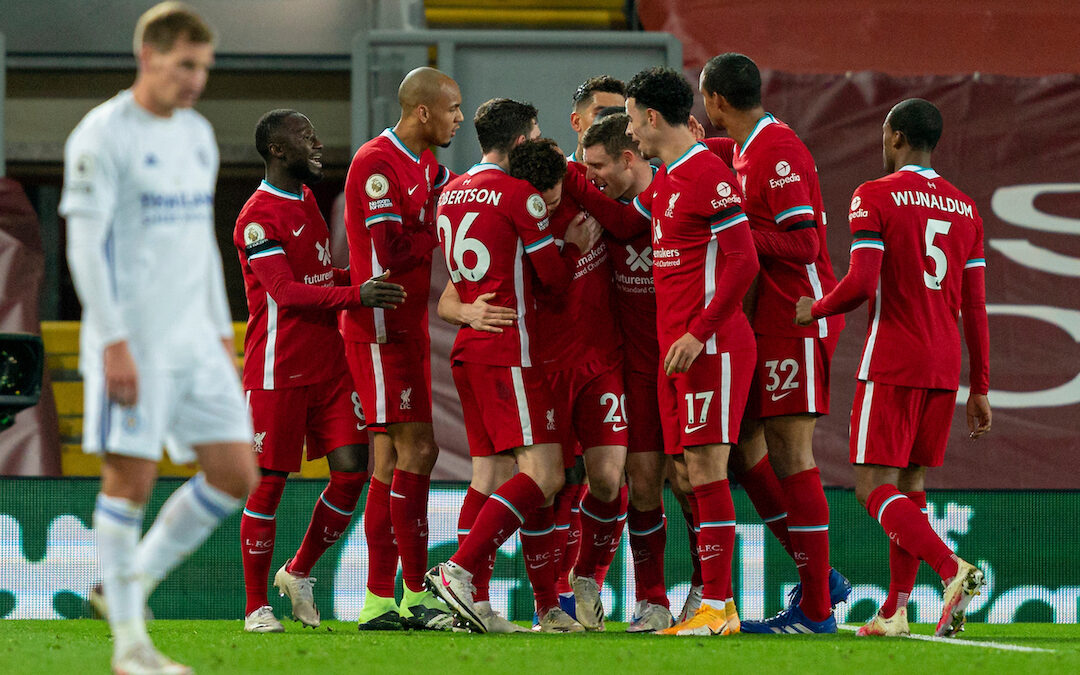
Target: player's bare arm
[[479, 314]]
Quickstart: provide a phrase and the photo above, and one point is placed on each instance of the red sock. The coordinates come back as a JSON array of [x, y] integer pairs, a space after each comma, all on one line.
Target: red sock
[[909, 529], [716, 540], [616, 538], [808, 523], [331, 518], [599, 521], [903, 567], [537, 544], [765, 493], [568, 532], [501, 515], [648, 537], [691, 519], [474, 501], [381, 545], [408, 511], [257, 527]]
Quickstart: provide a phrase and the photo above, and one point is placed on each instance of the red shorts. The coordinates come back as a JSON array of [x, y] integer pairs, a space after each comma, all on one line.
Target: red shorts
[[326, 414], [393, 381], [504, 407], [898, 426], [645, 433], [705, 405], [591, 398], [792, 376]]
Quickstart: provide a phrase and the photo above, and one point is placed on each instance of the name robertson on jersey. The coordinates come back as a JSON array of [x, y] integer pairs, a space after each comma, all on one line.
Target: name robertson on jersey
[[479, 196], [666, 257], [919, 198]]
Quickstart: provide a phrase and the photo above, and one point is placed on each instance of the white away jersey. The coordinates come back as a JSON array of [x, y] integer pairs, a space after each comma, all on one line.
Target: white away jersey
[[150, 180]]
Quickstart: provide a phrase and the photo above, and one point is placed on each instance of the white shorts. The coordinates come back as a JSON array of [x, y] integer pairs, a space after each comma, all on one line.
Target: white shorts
[[177, 409]]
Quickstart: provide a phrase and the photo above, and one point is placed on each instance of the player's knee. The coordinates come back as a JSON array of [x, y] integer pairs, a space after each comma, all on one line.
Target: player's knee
[[349, 459], [862, 493], [645, 497], [549, 482], [605, 487]]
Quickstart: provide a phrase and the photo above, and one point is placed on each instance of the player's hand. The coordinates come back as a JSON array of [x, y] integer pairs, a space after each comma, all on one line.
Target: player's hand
[[583, 232], [487, 318], [682, 354], [803, 315], [375, 292], [121, 376], [978, 415], [696, 128]]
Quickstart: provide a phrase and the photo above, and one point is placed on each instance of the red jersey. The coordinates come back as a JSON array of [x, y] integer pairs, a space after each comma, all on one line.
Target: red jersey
[[930, 233], [780, 181], [578, 326], [635, 300], [703, 254], [390, 221], [496, 238], [288, 345]]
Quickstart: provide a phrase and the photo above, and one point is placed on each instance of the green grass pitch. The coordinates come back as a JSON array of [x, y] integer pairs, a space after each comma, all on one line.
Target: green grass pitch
[[82, 646]]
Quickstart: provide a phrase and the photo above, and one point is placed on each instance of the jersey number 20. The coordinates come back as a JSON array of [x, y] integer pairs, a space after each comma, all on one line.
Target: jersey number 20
[[477, 267]]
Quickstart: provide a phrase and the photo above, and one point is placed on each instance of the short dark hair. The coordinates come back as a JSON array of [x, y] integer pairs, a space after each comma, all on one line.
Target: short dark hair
[[609, 110], [267, 128], [604, 83], [538, 161], [500, 121], [919, 120], [610, 132], [736, 78], [664, 90]]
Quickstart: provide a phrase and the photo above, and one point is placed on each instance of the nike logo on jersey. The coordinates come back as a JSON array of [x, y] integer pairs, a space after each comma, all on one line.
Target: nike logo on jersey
[[413, 189], [296, 233], [618, 427], [777, 398], [691, 429]]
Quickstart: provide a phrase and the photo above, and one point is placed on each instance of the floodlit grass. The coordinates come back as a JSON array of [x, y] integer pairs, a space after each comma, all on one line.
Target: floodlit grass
[[82, 646]]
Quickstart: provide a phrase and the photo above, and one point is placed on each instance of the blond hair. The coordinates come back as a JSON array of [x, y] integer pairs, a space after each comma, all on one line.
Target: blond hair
[[165, 23]]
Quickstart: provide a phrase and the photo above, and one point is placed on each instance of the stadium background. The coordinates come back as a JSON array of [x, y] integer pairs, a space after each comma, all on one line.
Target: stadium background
[[1008, 87]]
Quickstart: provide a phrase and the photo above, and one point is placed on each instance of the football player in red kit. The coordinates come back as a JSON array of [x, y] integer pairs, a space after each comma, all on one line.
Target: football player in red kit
[[917, 257]]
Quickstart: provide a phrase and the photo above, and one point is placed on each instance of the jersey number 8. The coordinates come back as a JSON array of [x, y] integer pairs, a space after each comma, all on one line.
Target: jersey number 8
[[456, 262]]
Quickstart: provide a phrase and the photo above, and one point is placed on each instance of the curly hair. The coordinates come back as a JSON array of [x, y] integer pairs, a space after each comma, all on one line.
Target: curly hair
[[538, 161], [735, 77], [664, 90], [610, 132], [500, 121], [603, 83]]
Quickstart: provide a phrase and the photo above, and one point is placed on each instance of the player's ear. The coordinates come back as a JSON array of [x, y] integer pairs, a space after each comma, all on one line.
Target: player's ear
[[422, 113], [575, 121]]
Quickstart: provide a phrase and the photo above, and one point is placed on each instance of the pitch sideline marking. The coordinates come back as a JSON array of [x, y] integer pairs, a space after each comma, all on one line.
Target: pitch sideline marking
[[969, 643]]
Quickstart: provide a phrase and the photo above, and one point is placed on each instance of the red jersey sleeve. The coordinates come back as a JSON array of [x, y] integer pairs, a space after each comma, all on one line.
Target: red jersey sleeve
[[531, 222], [731, 228], [864, 269], [398, 249], [721, 146], [275, 275], [785, 190], [623, 221], [973, 311]]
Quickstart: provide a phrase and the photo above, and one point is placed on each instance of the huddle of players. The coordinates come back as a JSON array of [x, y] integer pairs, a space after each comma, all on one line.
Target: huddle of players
[[671, 333]]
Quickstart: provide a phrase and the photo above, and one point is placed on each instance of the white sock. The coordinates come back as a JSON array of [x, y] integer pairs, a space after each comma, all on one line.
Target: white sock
[[117, 524], [715, 604], [185, 521]]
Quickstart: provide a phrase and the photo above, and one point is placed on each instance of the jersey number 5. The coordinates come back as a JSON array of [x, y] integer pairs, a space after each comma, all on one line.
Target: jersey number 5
[[456, 262], [934, 227]]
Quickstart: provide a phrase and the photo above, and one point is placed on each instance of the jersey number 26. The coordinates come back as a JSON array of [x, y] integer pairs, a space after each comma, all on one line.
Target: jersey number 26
[[472, 268]]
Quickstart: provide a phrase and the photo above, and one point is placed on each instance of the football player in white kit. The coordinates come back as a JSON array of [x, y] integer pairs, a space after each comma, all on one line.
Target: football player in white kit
[[156, 344]]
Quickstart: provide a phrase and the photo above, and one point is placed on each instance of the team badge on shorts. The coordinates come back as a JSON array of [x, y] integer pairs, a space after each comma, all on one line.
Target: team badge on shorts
[[260, 436], [254, 233], [536, 206], [376, 185]]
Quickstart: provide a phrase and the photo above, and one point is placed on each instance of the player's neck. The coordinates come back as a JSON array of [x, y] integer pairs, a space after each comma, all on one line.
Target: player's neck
[[643, 175], [677, 143], [280, 178], [500, 159], [908, 156], [742, 123], [142, 92], [411, 135]]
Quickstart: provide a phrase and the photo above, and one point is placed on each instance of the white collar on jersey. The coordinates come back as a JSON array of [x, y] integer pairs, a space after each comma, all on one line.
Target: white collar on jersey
[[923, 171], [761, 124], [694, 149], [389, 133], [484, 166], [278, 192]]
